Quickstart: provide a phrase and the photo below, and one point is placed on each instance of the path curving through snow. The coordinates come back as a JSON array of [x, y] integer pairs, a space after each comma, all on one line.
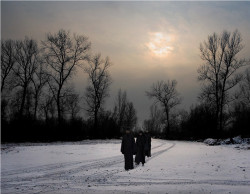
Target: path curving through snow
[[98, 167]]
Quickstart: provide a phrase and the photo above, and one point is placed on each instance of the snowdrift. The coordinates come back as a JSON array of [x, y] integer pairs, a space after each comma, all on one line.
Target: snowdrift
[[243, 143]]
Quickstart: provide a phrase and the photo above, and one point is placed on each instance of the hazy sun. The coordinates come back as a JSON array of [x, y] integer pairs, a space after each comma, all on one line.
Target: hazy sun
[[159, 44]]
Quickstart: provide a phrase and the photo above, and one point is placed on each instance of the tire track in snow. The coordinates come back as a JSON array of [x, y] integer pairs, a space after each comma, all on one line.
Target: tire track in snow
[[105, 177], [101, 172], [181, 182], [50, 167], [162, 151], [42, 173]]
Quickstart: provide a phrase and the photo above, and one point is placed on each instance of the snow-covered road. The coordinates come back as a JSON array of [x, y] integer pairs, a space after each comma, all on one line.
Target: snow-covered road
[[97, 167]]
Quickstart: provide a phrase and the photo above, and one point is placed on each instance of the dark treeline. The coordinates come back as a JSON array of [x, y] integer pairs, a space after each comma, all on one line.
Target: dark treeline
[[223, 108], [39, 102]]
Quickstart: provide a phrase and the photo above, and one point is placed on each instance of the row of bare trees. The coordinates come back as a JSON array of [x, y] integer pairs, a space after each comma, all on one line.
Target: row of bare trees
[[225, 90], [166, 95], [36, 80], [63, 54], [20, 72], [124, 112], [220, 72], [36, 83], [29, 70]]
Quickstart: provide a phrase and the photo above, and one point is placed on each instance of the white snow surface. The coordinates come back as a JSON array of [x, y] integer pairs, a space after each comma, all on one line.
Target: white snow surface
[[97, 166]]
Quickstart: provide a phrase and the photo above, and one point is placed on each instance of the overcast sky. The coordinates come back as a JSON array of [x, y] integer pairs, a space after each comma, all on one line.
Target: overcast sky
[[146, 41]]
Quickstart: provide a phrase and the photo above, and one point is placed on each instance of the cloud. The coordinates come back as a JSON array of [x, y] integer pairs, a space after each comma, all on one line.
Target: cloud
[[129, 33]]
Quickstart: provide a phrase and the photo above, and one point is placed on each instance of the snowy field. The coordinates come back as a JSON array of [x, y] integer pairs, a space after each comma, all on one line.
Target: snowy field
[[97, 167]]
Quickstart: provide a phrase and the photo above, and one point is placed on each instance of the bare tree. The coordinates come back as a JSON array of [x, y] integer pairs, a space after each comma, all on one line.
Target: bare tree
[[245, 89], [28, 106], [48, 107], [4, 108], [39, 80], [124, 112], [26, 58], [219, 71], [63, 54], [7, 61], [130, 116], [120, 109], [165, 93], [98, 88], [15, 103], [156, 118], [73, 107]]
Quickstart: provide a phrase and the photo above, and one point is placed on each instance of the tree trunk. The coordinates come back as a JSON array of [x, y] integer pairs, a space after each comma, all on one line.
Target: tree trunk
[[23, 101], [96, 120], [217, 104], [217, 117], [46, 115], [36, 105], [58, 109], [59, 113], [168, 124], [2, 84], [221, 113]]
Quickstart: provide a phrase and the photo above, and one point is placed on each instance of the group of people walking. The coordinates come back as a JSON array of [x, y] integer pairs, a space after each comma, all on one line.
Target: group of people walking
[[140, 148]]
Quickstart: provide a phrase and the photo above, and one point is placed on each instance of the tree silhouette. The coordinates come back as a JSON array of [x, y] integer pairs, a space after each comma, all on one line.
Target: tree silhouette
[[63, 53], [39, 80], [124, 112], [27, 61], [245, 88], [72, 103], [166, 94], [155, 121], [99, 82], [219, 74], [7, 60]]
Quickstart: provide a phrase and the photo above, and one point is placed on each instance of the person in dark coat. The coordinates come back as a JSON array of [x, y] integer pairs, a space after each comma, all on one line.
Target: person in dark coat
[[128, 149], [147, 144], [140, 145]]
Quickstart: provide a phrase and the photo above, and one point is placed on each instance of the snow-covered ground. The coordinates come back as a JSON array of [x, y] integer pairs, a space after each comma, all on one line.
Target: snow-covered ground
[[97, 167]]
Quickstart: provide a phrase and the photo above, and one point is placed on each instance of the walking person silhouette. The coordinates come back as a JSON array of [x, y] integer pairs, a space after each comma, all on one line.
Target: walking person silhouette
[[140, 145], [128, 149]]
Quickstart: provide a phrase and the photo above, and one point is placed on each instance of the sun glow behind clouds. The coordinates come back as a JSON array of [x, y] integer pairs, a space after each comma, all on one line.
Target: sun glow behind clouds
[[159, 44]]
